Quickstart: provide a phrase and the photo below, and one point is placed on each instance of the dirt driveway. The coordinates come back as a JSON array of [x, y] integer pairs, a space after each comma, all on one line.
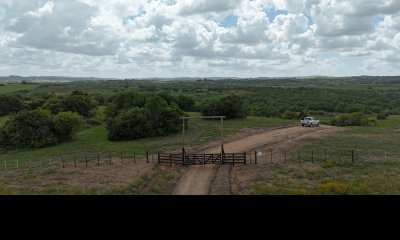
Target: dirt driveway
[[196, 180]]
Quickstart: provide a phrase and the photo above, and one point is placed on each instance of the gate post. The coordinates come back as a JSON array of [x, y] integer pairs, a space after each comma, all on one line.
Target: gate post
[[244, 158]]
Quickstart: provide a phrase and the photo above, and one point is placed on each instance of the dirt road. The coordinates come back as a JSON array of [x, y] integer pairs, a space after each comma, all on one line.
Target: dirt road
[[197, 179]]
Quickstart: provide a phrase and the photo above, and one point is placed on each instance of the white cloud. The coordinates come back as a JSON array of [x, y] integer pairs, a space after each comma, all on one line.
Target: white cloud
[[186, 37]]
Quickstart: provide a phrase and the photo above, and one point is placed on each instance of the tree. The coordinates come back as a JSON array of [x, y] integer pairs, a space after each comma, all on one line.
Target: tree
[[128, 125], [66, 124], [231, 106], [10, 104], [28, 129]]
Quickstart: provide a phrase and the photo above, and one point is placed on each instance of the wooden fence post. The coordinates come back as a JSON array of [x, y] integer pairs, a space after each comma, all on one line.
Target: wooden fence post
[[233, 159], [245, 158], [62, 160], [74, 161], [98, 160], [147, 157], [271, 155], [109, 156], [158, 158], [203, 159], [86, 160], [170, 160], [312, 156], [255, 157], [284, 153]]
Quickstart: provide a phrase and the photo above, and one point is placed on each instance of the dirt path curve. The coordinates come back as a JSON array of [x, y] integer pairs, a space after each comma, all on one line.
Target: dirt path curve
[[197, 179]]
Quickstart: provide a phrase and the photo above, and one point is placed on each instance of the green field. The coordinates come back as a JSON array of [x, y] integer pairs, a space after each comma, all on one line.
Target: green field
[[16, 87], [376, 169], [94, 139]]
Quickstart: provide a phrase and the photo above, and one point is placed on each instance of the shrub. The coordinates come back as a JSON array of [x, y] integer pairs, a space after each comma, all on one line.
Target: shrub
[[353, 119], [28, 129], [231, 106], [66, 124]]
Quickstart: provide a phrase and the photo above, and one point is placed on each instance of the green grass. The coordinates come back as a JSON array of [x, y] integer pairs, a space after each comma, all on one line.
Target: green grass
[[11, 87], [94, 139], [373, 172]]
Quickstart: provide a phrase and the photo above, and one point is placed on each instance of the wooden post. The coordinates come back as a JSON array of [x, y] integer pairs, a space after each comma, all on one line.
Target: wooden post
[[86, 159], [122, 158], [271, 155], [98, 160], [74, 161], [203, 159], [170, 160], [233, 159], [284, 153], [255, 157], [147, 157], [109, 156], [62, 160], [245, 160], [312, 156], [158, 158]]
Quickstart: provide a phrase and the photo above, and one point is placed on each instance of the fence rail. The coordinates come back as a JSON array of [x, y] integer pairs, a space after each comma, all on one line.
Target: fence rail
[[84, 159]]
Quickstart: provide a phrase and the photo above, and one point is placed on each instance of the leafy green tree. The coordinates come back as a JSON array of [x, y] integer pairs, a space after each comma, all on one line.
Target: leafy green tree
[[28, 129], [129, 124], [10, 104], [66, 124], [231, 106]]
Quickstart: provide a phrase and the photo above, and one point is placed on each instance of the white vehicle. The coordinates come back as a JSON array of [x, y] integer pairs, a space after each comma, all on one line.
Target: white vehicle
[[309, 122]]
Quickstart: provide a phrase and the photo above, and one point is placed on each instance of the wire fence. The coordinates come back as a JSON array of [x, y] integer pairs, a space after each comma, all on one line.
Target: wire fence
[[279, 155], [77, 159]]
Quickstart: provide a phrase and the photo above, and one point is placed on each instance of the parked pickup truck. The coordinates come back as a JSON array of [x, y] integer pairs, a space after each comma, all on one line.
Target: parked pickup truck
[[309, 122]]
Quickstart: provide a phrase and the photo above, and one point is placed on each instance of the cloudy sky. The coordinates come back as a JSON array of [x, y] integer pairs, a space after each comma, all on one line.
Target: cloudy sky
[[199, 38]]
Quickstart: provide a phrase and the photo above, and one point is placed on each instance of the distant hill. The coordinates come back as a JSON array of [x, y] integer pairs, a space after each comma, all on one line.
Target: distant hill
[[15, 78]]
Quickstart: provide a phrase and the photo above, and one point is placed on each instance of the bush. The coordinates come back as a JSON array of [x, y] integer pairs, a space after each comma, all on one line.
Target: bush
[[353, 119], [155, 118], [28, 129], [10, 104], [66, 124], [37, 128], [231, 106], [131, 124]]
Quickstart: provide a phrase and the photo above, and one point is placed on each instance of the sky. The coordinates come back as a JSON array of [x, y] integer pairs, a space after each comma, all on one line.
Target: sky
[[199, 38]]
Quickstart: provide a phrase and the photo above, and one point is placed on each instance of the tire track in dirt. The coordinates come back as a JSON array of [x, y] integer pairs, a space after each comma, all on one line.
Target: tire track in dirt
[[196, 180]]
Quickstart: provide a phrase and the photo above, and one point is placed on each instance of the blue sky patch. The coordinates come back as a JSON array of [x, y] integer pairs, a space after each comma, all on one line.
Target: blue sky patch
[[377, 19], [229, 21], [272, 13]]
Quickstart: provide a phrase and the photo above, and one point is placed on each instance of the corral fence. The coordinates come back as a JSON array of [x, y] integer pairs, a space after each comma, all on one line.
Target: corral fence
[[202, 159]]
